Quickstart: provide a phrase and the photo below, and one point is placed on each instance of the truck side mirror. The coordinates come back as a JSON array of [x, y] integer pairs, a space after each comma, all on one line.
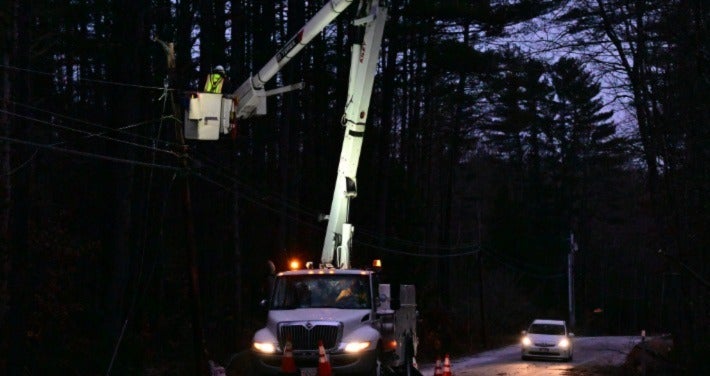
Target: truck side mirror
[[270, 279]]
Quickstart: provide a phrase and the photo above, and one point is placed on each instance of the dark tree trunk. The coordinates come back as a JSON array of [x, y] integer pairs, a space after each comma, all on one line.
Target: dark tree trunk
[[21, 279], [127, 57], [386, 131], [290, 141]]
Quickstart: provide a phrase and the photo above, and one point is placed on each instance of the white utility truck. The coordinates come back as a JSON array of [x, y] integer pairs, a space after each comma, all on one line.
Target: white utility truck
[[365, 326]]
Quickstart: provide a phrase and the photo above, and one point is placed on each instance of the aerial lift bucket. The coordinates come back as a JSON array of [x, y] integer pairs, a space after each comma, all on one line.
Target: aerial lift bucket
[[203, 117]]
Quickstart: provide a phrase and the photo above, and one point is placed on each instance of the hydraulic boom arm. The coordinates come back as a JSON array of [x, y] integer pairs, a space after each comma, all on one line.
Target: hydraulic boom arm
[[250, 95], [363, 65]]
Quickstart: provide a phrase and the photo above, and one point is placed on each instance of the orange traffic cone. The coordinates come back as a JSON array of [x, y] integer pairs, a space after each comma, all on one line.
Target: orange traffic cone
[[447, 366], [288, 364], [437, 368], [323, 362]]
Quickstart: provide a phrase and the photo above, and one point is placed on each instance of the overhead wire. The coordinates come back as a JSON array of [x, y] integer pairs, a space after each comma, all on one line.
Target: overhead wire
[[195, 161], [472, 250], [260, 202], [121, 130], [256, 191], [13, 170], [230, 177], [499, 258], [106, 82], [469, 249], [421, 246], [251, 197], [141, 263], [233, 180], [89, 155], [247, 191], [466, 249], [64, 127], [412, 243], [448, 251], [457, 251]]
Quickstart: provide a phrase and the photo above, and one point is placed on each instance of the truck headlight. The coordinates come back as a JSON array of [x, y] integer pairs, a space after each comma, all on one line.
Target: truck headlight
[[265, 347], [526, 341], [564, 343], [355, 347]]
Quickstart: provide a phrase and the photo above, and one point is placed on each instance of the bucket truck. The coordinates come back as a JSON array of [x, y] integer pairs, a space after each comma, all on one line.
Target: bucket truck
[[364, 325]]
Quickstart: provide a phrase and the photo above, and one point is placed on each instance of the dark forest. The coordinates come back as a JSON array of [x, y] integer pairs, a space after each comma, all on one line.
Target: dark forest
[[501, 135]]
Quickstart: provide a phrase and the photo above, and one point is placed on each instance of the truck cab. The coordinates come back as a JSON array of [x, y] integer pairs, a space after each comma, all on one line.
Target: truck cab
[[362, 326]]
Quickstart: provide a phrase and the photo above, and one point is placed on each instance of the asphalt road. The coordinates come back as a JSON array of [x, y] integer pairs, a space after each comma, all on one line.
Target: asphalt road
[[506, 361]]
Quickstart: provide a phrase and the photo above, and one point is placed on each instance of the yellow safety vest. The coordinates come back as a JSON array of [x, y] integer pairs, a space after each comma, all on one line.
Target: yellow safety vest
[[214, 83]]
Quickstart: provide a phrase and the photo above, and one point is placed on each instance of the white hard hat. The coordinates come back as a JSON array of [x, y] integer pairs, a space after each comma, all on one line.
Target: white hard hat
[[219, 68]]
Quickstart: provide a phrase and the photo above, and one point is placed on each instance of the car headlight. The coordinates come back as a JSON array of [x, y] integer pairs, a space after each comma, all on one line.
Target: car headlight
[[265, 347], [564, 343], [355, 347], [526, 341]]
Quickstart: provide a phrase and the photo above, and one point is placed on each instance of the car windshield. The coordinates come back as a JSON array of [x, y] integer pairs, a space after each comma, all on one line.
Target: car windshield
[[553, 329], [350, 291]]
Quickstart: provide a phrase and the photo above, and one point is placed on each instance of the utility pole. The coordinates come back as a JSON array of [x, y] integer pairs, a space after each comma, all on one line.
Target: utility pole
[[570, 278], [199, 344]]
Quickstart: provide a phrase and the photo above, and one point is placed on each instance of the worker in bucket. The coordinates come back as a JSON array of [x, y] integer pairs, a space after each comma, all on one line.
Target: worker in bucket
[[216, 80]]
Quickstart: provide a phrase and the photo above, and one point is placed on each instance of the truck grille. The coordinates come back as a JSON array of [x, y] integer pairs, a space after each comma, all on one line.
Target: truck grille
[[305, 335]]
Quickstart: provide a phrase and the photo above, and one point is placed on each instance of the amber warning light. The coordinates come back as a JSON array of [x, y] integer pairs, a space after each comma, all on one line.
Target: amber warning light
[[294, 265]]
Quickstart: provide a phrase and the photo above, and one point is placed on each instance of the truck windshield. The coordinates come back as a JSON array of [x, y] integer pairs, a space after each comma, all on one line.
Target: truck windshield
[[322, 291]]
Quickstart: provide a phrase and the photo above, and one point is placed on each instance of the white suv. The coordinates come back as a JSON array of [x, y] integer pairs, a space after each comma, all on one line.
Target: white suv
[[547, 339]]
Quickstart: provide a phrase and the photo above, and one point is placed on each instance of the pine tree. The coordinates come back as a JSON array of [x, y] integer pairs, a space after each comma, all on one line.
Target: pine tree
[[584, 134]]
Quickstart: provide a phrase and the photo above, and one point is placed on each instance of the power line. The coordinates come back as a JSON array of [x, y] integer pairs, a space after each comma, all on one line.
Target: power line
[[103, 127], [415, 244], [256, 191], [106, 82], [256, 201], [473, 251], [499, 258], [22, 165], [90, 134], [251, 197], [248, 193], [89, 155], [421, 246], [452, 251]]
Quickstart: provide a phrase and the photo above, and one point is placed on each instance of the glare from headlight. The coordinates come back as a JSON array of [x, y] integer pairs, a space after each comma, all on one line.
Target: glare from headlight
[[265, 347], [526, 341], [354, 347], [564, 343]]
